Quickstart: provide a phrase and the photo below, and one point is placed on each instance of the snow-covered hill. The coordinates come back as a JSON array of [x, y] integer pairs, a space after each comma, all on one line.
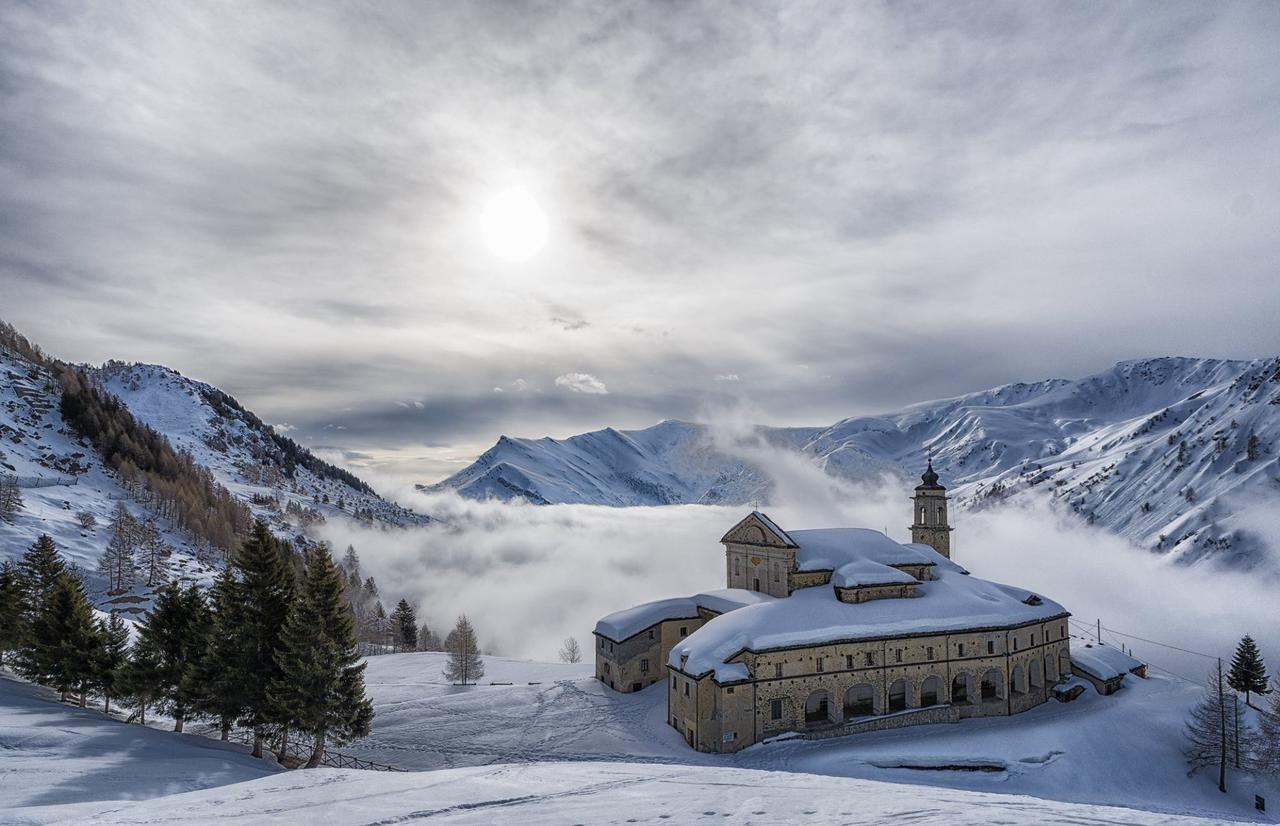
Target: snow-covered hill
[[63, 481], [1166, 452]]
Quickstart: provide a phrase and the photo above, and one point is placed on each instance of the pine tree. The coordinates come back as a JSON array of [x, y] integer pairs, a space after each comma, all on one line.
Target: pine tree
[[266, 587], [464, 665], [320, 686], [351, 563], [37, 574], [10, 610], [10, 497], [404, 627], [1248, 673], [1208, 730], [428, 641], [220, 670], [571, 652], [64, 644], [172, 640], [113, 657]]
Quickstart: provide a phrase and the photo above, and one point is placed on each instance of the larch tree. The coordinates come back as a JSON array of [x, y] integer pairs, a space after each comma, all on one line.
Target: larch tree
[[319, 689], [1266, 754], [1248, 673], [1208, 732], [464, 665], [571, 652], [155, 554], [117, 562], [265, 571], [10, 497], [173, 639]]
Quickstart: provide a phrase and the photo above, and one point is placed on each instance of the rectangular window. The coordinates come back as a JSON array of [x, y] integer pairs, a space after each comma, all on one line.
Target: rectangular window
[[686, 689], [928, 652], [673, 682], [684, 630], [991, 646], [819, 664], [1015, 643], [1033, 640], [848, 661], [650, 633], [871, 658], [755, 584], [897, 655], [775, 709], [606, 668], [602, 643], [777, 669], [729, 690], [961, 649], [644, 666]]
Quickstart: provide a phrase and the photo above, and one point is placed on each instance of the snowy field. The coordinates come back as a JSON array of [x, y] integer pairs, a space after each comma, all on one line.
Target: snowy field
[[555, 746]]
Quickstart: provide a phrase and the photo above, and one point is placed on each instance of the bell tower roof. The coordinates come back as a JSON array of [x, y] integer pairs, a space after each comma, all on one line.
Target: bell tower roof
[[930, 479]]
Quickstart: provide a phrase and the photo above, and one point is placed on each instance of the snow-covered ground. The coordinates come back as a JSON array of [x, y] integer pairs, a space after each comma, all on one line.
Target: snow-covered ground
[[66, 765], [59, 763]]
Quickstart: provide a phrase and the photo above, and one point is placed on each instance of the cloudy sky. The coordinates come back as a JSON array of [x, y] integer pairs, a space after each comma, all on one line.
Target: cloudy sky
[[801, 211]]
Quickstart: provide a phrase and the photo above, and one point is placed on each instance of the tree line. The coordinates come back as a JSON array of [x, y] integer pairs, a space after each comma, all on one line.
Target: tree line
[[1219, 734], [272, 647]]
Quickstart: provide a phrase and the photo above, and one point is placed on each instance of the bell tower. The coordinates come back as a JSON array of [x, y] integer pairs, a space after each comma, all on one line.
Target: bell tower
[[930, 526]]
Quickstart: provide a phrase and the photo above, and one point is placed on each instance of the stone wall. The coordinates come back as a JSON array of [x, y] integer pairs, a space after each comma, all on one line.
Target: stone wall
[[913, 717], [641, 660]]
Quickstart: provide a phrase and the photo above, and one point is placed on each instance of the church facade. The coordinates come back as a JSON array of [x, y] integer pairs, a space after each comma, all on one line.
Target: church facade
[[837, 631]]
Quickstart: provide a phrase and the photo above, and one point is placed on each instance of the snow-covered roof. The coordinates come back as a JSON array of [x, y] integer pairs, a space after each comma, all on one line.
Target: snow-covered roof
[[1104, 662], [952, 602], [624, 624], [868, 572], [828, 549]]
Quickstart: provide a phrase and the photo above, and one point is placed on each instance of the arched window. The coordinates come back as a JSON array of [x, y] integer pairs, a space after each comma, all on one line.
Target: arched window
[[898, 696], [942, 519], [1035, 673], [991, 682], [1018, 680], [930, 692], [818, 710], [960, 689], [859, 701]]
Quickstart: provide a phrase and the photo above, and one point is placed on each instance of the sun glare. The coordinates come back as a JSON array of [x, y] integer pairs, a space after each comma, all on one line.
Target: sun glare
[[514, 225]]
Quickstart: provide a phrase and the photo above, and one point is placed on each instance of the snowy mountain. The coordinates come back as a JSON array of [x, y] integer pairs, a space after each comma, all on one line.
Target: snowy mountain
[[69, 492], [1166, 452]]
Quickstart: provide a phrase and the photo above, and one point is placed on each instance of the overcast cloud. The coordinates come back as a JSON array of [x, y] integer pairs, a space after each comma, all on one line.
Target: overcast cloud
[[809, 210]]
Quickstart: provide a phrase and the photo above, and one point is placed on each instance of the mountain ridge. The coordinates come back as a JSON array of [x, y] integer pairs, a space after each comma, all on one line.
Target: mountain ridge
[[1167, 452]]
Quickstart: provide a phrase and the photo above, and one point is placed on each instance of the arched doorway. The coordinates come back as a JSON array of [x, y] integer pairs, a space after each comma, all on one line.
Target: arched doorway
[[818, 710], [860, 701], [1035, 674], [960, 689], [1017, 680], [1051, 669], [898, 696], [930, 692], [991, 683]]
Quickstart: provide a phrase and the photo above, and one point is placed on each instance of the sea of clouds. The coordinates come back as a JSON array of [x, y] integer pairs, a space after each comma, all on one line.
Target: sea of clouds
[[529, 576]]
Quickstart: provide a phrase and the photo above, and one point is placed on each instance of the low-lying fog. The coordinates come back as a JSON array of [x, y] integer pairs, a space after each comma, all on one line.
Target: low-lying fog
[[529, 576]]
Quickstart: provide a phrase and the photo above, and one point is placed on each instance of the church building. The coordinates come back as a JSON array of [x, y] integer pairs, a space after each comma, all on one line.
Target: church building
[[837, 631]]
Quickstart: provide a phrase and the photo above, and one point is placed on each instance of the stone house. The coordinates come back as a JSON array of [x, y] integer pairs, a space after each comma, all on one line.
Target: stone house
[[837, 631]]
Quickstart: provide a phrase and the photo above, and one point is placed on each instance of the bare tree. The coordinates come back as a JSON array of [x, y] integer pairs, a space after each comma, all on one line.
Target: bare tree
[[87, 520], [464, 665], [10, 496], [570, 652]]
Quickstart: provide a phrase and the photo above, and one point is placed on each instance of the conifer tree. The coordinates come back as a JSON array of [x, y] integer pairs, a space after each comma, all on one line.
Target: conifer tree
[[10, 497], [428, 640], [64, 643], [266, 587], [113, 657], [117, 560], [220, 670], [464, 665], [1248, 673], [319, 689], [1208, 730], [155, 554], [404, 627], [10, 610], [172, 640], [37, 574]]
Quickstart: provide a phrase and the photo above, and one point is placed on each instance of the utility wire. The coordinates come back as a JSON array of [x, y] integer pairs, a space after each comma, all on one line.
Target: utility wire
[[1165, 644]]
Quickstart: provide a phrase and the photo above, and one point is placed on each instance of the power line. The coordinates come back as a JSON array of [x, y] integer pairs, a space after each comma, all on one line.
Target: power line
[[1165, 644]]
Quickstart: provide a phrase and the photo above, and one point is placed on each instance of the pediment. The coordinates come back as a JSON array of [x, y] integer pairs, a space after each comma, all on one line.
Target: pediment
[[758, 529]]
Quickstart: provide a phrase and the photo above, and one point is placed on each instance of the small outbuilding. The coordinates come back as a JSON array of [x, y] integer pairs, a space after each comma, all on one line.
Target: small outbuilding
[[1105, 666]]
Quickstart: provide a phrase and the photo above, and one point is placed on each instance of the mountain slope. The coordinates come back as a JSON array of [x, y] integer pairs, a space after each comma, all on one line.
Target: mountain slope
[[1165, 452]]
